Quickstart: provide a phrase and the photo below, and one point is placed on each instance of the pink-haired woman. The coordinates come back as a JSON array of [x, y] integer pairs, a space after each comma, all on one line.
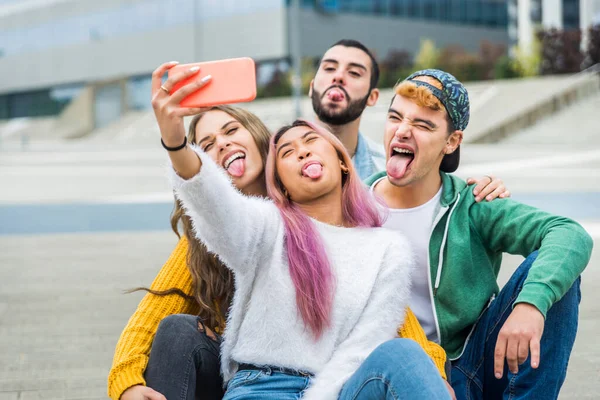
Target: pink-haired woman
[[320, 287]]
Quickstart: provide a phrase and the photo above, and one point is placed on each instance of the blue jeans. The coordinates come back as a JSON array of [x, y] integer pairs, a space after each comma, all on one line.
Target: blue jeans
[[473, 374], [398, 369], [265, 384]]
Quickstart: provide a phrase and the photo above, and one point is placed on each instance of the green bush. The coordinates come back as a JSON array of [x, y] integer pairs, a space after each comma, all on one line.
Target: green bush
[[279, 85], [504, 69]]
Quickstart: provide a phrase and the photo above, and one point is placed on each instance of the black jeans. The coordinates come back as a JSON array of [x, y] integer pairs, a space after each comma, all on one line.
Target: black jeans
[[184, 362]]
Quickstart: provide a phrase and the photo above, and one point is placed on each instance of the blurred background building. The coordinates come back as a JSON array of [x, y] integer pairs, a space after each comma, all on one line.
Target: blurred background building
[[102, 53], [527, 16], [76, 66]]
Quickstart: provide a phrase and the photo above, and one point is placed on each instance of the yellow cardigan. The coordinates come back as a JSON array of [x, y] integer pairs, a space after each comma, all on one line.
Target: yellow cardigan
[[133, 347]]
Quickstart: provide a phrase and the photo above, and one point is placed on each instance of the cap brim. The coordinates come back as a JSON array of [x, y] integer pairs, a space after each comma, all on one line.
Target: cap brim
[[450, 161]]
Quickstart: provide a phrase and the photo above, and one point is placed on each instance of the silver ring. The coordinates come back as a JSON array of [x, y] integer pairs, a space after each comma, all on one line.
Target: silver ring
[[165, 89]]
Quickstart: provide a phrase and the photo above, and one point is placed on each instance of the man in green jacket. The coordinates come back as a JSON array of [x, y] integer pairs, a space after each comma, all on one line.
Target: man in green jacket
[[458, 245]]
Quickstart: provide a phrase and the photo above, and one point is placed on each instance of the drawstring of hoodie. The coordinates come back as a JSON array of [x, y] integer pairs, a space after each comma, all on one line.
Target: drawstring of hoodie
[[441, 257]]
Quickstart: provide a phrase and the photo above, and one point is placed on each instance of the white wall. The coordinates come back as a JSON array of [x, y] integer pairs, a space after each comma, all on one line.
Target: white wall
[[589, 14], [552, 13], [22, 15], [260, 35], [525, 25]]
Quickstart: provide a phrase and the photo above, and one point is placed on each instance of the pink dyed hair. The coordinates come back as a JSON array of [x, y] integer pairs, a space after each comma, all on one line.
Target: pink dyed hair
[[308, 262]]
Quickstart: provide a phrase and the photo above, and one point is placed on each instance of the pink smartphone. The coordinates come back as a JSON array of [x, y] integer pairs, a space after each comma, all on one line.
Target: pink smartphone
[[233, 81]]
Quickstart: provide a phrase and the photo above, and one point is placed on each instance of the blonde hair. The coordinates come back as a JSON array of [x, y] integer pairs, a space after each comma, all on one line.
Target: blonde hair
[[212, 281], [422, 96]]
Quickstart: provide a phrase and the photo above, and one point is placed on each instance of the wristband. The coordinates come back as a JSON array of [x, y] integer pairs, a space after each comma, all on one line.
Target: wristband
[[174, 148]]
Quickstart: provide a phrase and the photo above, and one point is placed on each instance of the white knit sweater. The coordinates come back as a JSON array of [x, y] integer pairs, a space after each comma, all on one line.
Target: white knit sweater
[[371, 266]]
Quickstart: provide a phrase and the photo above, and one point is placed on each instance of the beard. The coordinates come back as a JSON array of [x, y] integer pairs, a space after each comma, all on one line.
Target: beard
[[338, 117]]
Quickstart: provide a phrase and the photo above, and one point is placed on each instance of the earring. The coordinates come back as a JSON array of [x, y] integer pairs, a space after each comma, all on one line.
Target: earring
[[345, 169], [286, 194]]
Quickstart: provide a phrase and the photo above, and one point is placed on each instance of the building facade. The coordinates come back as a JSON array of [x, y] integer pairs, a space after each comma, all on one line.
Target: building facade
[[50, 50], [525, 16]]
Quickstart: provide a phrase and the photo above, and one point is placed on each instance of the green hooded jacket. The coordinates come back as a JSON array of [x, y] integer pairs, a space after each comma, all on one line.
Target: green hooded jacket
[[465, 253]]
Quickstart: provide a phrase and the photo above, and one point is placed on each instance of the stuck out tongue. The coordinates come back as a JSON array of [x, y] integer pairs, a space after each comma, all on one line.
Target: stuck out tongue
[[397, 165], [313, 171], [335, 95], [237, 167]]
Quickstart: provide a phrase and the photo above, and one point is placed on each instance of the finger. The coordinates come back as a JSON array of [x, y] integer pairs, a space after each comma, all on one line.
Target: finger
[[481, 185], [499, 354], [523, 350], [505, 195], [496, 193], [512, 349], [188, 112], [188, 89], [471, 181], [450, 390], [489, 188], [211, 334], [178, 77], [534, 345], [152, 394], [159, 73]]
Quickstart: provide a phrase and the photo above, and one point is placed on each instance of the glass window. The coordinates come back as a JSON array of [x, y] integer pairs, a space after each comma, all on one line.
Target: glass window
[[38, 103], [397, 7], [138, 92], [380, 7], [4, 109], [429, 10], [108, 104], [66, 93], [413, 9], [31, 104], [445, 10], [571, 14], [456, 11]]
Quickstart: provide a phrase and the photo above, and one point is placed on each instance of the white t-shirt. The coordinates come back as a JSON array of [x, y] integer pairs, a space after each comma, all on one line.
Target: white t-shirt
[[416, 225]]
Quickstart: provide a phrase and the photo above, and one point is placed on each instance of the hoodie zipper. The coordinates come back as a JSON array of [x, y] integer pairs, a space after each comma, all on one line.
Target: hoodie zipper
[[433, 292], [438, 276]]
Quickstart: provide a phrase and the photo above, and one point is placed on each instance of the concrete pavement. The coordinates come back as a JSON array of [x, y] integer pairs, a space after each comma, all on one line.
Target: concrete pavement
[[62, 310], [82, 221]]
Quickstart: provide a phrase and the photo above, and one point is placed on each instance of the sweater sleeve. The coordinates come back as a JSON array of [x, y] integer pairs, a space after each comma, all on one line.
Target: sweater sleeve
[[238, 228], [564, 246], [412, 329], [133, 348], [377, 324]]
